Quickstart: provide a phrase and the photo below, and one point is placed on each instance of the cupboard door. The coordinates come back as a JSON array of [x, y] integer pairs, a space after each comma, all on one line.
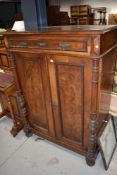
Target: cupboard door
[[33, 77], [67, 80]]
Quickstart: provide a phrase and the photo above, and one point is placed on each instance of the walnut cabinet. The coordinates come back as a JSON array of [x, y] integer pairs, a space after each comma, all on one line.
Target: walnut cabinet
[[61, 74]]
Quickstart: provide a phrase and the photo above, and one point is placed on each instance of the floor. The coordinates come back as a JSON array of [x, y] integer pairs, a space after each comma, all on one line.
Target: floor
[[34, 156]]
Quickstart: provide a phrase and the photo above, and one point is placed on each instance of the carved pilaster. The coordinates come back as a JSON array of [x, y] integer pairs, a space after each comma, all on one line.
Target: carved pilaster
[[20, 98], [90, 157], [24, 113], [91, 153]]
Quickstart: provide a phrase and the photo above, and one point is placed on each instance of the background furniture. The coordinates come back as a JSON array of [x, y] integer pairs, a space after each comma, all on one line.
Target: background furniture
[[55, 17], [61, 73], [7, 89], [112, 19], [6, 78], [101, 20], [81, 14]]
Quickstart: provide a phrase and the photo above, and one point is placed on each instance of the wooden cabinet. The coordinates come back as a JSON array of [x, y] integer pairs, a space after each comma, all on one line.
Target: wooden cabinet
[[80, 10], [7, 89], [55, 17], [81, 14], [4, 62], [82, 20], [61, 73]]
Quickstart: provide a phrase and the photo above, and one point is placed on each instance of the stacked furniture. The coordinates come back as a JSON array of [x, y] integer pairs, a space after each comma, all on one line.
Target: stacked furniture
[[81, 14], [60, 74]]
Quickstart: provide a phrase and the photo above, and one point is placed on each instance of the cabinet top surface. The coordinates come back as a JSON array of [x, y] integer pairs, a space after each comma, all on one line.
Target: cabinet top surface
[[76, 29]]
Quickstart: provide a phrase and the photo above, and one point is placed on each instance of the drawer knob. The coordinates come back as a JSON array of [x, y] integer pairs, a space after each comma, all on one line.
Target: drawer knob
[[51, 61], [23, 45], [96, 46], [41, 44], [105, 121], [64, 45]]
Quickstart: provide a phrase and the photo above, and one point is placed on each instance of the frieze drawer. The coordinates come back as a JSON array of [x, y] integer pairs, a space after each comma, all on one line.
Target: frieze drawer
[[52, 44]]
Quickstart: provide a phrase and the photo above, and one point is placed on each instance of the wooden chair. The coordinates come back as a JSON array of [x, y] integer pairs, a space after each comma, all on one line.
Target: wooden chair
[[7, 90]]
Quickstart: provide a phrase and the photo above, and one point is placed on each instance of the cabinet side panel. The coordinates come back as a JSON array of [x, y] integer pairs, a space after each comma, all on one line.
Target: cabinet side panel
[[107, 73], [70, 92]]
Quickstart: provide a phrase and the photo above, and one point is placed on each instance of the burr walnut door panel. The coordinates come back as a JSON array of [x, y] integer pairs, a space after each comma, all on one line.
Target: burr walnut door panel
[[33, 76], [70, 89]]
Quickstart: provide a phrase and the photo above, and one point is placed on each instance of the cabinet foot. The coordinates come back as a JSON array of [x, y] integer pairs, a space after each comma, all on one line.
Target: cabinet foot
[[91, 157], [28, 130], [90, 161], [16, 129]]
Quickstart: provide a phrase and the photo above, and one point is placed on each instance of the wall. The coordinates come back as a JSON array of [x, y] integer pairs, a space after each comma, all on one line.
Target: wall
[[65, 4], [8, 11]]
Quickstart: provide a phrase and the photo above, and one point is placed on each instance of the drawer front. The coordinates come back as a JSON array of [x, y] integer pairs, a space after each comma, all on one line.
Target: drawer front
[[83, 11], [52, 44], [74, 10]]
